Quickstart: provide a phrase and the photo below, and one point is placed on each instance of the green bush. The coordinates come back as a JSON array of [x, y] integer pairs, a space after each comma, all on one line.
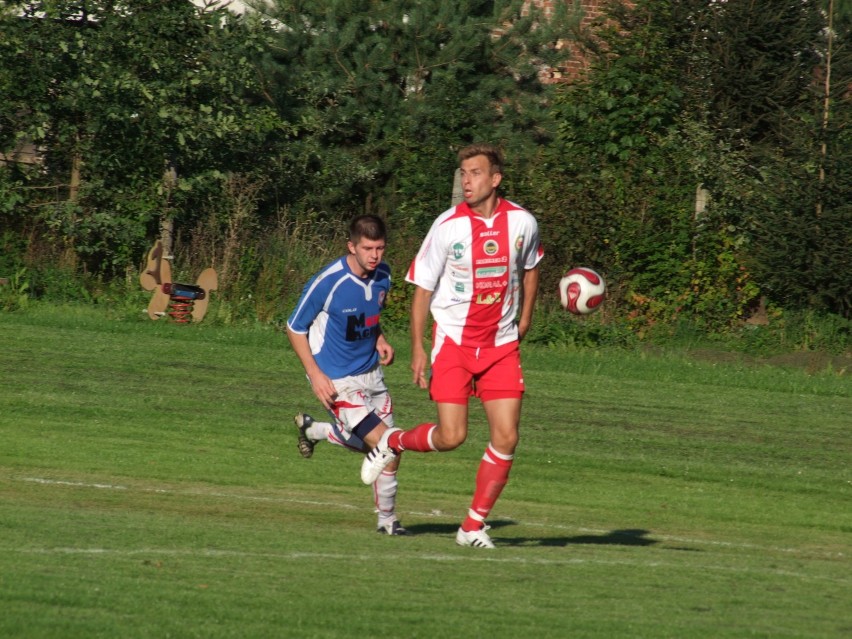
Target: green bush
[[14, 291]]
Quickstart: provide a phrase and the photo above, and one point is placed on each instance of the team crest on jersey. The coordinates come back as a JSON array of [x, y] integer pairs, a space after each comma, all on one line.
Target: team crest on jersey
[[491, 247], [458, 250], [519, 242]]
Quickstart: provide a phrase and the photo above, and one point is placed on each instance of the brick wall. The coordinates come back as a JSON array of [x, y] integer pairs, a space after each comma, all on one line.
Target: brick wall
[[574, 65]]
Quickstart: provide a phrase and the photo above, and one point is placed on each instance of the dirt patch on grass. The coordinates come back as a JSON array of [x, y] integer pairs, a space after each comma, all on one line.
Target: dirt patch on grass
[[814, 361]]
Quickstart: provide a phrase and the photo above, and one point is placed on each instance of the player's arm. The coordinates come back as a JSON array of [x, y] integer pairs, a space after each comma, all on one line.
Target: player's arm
[[419, 315], [529, 291], [385, 350], [321, 384]]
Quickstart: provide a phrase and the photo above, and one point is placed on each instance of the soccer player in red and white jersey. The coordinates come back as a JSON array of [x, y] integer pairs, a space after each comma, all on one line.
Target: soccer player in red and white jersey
[[477, 272]]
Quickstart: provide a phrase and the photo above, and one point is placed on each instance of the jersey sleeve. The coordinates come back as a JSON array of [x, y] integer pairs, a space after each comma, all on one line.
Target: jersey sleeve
[[533, 248], [428, 266], [308, 308]]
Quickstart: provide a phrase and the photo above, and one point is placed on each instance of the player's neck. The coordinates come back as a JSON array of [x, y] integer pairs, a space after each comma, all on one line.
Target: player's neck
[[356, 269], [486, 208]]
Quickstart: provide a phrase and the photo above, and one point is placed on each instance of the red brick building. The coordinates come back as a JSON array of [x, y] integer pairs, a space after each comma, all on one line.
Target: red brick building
[[575, 64]]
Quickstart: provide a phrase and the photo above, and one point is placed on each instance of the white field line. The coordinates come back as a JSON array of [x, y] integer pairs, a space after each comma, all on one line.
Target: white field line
[[198, 493], [434, 513], [471, 556]]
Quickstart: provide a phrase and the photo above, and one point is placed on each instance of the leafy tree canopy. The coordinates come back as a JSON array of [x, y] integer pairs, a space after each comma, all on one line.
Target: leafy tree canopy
[[384, 92], [698, 136], [114, 94]]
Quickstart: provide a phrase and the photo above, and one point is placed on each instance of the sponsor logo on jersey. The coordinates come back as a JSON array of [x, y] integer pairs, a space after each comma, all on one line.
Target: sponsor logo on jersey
[[490, 271], [491, 247], [489, 298], [492, 260], [360, 327], [484, 285], [519, 242], [459, 287], [458, 250]]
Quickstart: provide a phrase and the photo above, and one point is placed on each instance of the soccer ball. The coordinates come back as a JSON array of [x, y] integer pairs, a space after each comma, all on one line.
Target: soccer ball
[[581, 291]]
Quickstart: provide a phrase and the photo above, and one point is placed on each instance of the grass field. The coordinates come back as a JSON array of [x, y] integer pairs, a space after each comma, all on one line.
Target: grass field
[[150, 487]]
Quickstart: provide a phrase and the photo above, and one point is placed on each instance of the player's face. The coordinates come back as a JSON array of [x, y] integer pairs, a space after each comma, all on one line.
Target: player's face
[[366, 255], [478, 181]]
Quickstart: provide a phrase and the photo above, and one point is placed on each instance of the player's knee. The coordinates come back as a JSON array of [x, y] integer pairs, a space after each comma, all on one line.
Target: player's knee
[[505, 442], [370, 429], [447, 440]]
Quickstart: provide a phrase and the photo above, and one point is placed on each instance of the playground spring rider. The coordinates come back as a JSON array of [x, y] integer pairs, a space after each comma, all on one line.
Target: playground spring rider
[[182, 302]]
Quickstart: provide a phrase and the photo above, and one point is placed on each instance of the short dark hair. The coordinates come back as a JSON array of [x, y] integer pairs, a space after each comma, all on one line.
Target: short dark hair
[[370, 226], [494, 155]]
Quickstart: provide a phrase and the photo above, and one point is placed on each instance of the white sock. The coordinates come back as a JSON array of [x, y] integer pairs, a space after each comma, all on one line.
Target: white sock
[[384, 495], [318, 431]]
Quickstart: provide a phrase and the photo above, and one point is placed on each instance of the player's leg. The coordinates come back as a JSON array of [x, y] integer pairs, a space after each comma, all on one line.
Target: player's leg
[[379, 454], [310, 432], [384, 495], [386, 487], [423, 438], [496, 462], [357, 424], [450, 387], [500, 388], [448, 433], [493, 472]]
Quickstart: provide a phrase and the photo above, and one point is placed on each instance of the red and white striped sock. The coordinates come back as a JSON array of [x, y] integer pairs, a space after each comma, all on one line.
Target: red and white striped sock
[[418, 439], [491, 478]]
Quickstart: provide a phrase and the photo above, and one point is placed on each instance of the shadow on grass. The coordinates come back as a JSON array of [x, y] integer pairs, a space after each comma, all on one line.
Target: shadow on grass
[[627, 537]]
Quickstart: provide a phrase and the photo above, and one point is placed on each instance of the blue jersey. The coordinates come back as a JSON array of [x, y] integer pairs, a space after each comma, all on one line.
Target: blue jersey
[[340, 314]]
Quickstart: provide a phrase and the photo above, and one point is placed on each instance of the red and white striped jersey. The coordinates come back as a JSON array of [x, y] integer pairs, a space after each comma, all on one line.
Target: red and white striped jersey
[[474, 267]]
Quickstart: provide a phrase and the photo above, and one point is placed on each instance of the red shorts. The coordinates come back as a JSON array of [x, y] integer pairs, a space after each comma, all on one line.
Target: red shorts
[[487, 373]]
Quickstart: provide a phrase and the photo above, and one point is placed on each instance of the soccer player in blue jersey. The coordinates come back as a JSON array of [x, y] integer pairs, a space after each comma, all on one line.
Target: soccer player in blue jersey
[[336, 334]]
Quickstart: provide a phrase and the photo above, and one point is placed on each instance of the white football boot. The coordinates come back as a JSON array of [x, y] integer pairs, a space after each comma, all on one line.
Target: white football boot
[[377, 459], [476, 538]]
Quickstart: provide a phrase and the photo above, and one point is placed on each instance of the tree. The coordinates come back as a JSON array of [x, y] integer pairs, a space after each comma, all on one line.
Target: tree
[[622, 177], [716, 96], [764, 53], [385, 91], [782, 94], [117, 95]]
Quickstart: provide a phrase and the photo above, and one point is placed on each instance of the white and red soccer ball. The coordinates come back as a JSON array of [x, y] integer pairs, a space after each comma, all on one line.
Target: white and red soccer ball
[[581, 291]]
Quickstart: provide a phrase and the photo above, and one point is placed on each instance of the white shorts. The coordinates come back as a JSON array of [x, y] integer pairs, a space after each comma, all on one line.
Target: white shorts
[[357, 397]]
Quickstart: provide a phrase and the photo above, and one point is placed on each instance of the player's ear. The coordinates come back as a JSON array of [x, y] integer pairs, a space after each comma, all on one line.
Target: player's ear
[[351, 247]]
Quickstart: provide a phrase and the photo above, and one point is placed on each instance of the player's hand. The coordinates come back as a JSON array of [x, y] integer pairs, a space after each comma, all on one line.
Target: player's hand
[[324, 389], [523, 328], [385, 350], [419, 369]]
